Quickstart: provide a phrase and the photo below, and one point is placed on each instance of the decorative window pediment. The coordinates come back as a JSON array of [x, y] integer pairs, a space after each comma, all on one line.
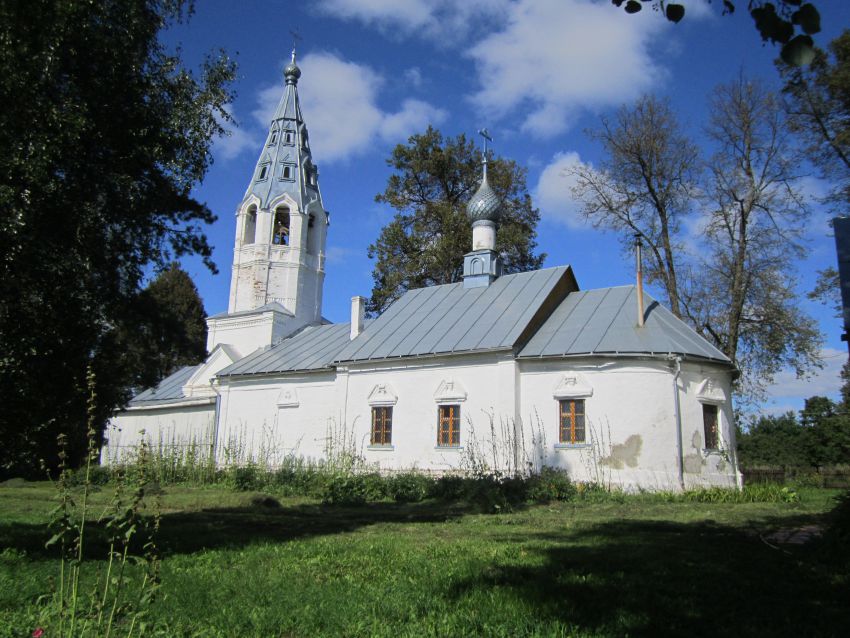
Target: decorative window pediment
[[382, 394], [288, 398], [450, 391], [710, 391], [571, 386]]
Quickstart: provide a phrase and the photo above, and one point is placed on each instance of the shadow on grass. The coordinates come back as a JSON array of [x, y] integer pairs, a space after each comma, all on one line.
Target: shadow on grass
[[226, 527], [651, 578], [626, 577]]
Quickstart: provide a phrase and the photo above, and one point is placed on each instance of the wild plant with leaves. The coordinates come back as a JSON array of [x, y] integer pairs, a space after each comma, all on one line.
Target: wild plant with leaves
[[84, 601]]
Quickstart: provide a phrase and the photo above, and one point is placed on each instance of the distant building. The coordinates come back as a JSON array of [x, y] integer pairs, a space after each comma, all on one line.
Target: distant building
[[514, 371]]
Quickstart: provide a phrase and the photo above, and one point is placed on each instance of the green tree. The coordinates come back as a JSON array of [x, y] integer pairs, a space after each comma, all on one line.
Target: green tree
[[817, 99], [103, 134], [745, 299], [820, 437], [732, 280], [169, 330], [827, 290], [425, 242], [774, 440], [644, 185]]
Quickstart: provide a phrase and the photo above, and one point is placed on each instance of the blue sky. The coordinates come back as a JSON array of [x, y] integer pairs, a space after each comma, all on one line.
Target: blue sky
[[536, 73]]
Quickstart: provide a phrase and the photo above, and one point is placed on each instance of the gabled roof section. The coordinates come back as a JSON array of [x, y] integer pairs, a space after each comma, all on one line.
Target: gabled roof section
[[312, 348], [604, 321], [452, 319], [286, 164], [168, 390]]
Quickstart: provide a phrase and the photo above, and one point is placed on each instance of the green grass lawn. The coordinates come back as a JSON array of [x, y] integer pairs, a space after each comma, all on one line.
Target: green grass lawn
[[639, 567]]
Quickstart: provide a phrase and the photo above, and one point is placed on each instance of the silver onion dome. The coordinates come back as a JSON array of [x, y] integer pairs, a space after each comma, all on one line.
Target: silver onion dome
[[484, 205], [291, 71]]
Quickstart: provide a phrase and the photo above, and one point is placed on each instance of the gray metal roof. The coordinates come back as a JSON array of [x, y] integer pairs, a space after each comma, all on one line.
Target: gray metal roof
[[168, 390], [451, 318], [604, 321], [286, 146], [312, 348]]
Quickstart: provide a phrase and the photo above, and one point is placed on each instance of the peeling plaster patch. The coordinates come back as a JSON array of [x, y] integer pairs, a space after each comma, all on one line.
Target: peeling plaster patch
[[624, 454], [693, 464], [696, 440]]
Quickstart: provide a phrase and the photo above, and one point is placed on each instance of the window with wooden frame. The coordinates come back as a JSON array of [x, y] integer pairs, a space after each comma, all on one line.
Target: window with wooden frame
[[709, 422], [382, 425], [448, 426], [571, 428]]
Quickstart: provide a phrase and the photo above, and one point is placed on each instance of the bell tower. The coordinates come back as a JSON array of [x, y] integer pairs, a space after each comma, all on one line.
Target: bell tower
[[281, 223]]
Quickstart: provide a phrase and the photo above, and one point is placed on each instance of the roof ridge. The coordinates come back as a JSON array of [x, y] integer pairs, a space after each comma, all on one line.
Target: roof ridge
[[545, 284]]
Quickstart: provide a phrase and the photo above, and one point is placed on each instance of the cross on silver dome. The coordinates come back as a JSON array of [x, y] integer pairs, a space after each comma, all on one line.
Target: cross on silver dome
[[291, 71], [485, 205]]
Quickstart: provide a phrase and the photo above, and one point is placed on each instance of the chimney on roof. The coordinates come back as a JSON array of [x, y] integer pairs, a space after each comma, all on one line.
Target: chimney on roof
[[358, 315], [639, 264]]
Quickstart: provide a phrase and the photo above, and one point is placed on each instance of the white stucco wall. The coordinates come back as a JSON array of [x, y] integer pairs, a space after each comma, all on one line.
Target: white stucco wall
[[509, 417], [163, 427], [631, 422], [267, 419], [484, 386]]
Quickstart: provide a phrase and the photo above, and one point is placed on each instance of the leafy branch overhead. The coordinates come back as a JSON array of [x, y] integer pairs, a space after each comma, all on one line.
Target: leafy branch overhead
[[790, 23]]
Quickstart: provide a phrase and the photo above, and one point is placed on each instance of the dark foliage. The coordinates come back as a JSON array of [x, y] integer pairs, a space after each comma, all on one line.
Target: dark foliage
[[170, 330], [820, 437], [817, 99], [102, 136], [425, 242], [791, 23]]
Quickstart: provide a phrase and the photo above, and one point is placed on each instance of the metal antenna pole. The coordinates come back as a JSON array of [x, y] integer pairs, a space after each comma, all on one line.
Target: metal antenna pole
[[639, 269]]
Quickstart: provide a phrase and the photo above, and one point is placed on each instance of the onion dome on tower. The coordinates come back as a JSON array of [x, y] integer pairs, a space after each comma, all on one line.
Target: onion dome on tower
[[483, 265], [485, 205], [291, 71]]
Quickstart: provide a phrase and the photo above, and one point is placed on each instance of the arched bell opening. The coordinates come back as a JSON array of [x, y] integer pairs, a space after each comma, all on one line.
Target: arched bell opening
[[280, 227], [249, 229]]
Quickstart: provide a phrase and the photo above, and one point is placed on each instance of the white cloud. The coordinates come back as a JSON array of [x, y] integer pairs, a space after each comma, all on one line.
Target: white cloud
[[404, 14], [825, 382], [235, 141], [413, 76], [340, 98], [341, 254], [553, 193], [447, 22], [555, 57]]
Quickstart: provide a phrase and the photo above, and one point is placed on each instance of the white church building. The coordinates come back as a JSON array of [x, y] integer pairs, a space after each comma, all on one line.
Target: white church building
[[511, 372]]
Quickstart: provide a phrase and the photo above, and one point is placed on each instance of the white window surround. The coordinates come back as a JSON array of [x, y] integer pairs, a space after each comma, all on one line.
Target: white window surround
[[711, 392], [450, 391], [572, 386], [288, 398], [382, 395]]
